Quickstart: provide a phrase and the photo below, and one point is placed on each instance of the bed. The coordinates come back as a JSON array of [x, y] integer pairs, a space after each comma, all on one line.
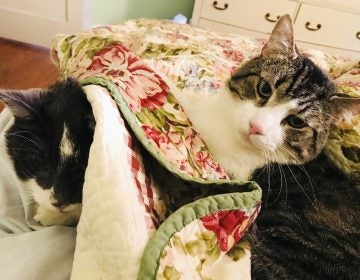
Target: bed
[[156, 205]]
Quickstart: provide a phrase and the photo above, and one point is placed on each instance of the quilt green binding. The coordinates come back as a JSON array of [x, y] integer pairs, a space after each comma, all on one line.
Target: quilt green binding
[[185, 215]]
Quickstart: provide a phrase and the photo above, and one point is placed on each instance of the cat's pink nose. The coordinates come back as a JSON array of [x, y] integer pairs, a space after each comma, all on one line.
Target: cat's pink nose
[[255, 128]]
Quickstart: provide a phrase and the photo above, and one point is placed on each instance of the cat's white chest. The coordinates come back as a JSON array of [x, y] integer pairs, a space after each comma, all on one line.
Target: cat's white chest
[[213, 116]]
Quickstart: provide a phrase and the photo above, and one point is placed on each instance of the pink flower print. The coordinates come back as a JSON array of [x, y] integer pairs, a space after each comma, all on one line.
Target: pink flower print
[[155, 135], [224, 223], [203, 158], [354, 71], [140, 85], [233, 69], [185, 166], [175, 137], [192, 140], [222, 43], [219, 170], [242, 228], [162, 141], [234, 55]]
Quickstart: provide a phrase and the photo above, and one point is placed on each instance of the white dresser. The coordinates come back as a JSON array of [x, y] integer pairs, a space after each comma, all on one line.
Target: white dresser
[[329, 25]]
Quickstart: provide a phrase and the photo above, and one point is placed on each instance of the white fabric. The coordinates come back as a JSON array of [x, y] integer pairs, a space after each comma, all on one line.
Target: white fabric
[[111, 236]]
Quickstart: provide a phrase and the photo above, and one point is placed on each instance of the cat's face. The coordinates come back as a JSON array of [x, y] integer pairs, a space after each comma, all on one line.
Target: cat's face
[[285, 103], [283, 106], [50, 139]]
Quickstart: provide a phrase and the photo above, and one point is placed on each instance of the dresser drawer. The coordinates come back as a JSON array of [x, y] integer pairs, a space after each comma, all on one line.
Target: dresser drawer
[[325, 26], [257, 15], [225, 28]]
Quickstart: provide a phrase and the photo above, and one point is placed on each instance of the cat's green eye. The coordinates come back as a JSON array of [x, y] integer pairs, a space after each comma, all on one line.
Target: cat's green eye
[[295, 121], [264, 89]]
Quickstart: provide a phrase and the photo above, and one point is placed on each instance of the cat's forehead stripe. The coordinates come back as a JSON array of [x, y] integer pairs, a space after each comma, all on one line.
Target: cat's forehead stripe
[[300, 80], [66, 146], [280, 80]]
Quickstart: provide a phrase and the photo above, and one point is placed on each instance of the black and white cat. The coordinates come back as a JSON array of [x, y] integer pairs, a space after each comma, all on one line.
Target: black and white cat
[[48, 143]]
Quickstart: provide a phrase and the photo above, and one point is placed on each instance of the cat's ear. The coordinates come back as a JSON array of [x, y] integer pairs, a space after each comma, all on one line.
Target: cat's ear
[[281, 40], [344, 107], [23, 103]]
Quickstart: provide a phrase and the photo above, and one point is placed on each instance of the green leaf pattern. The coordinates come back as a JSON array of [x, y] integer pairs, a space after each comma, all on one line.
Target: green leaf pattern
[[193, 252], [343, 146]]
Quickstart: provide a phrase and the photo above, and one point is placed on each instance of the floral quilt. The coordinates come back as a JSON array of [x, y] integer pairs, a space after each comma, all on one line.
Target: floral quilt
[[202, 238]]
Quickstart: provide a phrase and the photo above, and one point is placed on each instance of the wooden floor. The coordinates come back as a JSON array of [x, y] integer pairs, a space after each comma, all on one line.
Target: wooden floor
[[24, 66]]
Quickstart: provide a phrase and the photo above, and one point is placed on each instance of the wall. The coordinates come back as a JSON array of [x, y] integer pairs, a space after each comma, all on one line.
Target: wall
[[114, 11]]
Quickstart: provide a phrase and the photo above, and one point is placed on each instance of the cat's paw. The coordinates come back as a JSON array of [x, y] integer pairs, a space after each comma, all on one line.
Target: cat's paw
[[45, 216], [50, 217]]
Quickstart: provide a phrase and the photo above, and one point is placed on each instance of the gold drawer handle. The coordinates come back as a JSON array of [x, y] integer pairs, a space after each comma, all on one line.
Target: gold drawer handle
[[307, 25], [358, 35], [267, 17], [220, 8]]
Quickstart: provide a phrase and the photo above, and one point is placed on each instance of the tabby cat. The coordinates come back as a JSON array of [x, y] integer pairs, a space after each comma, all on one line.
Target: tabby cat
[[278, 108]]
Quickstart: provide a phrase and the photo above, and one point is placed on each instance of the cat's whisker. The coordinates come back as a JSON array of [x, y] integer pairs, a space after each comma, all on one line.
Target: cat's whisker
[[24, 150], [303, 169], [33, 203], [311, 181], [288, 153], [268, 173], [27, 190], [286, 185], [29, 132], [330, 116], [26, 138], [302, 189], [281, 178]]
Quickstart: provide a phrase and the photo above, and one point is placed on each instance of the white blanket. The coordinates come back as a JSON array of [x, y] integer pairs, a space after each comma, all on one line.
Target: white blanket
[[111, 237]]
